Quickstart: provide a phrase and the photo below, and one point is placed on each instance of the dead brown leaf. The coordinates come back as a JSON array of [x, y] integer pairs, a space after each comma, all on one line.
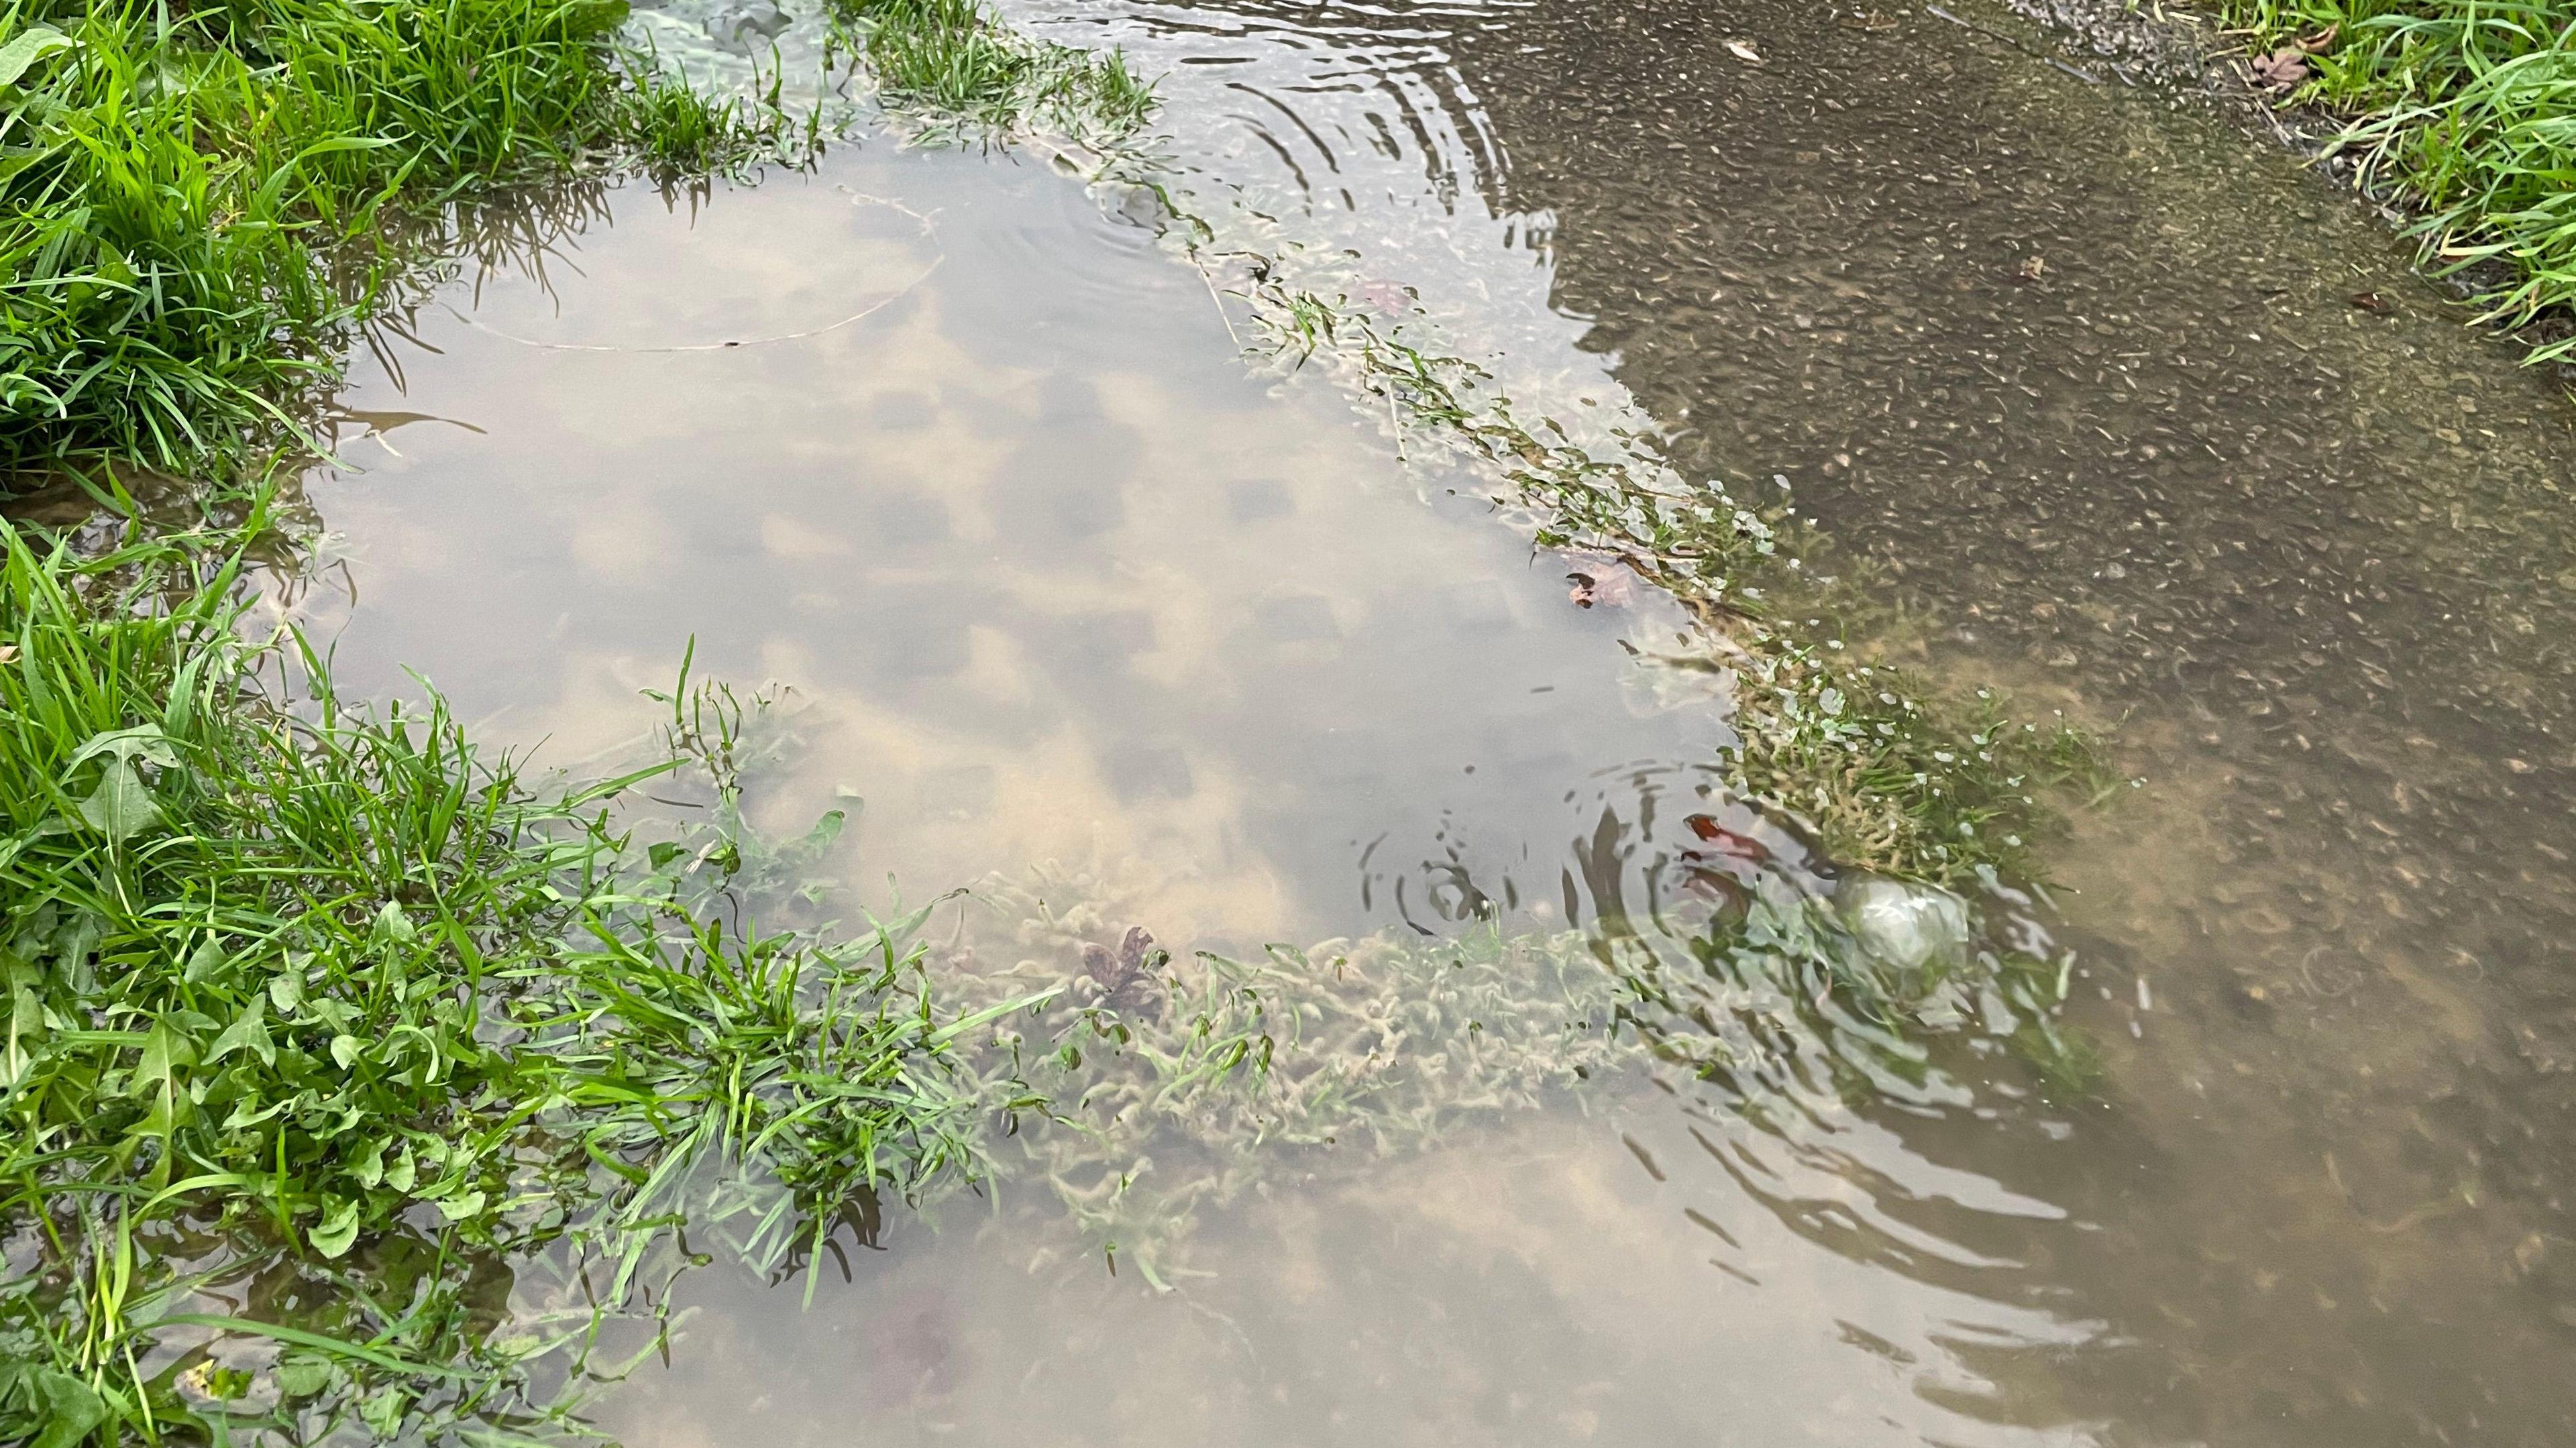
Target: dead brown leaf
[[1601, 580], [2283, 69]]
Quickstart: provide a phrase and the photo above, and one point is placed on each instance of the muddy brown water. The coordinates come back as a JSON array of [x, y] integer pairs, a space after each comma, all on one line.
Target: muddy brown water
[[2073, 380]]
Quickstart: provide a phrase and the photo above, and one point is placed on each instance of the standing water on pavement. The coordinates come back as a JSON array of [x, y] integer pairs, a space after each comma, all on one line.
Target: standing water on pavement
[[1067, 598]]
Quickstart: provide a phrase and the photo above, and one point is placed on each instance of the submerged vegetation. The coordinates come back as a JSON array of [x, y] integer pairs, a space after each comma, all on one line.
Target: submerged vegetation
[[2459, 109], [1174, 1087], [1885, 780]]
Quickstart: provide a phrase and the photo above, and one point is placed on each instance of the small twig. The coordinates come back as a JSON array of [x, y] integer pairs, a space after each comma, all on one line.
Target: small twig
[[1210, 281]]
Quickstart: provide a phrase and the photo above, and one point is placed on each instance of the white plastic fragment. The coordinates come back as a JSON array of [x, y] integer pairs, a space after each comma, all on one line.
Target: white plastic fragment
[[1906, 926]]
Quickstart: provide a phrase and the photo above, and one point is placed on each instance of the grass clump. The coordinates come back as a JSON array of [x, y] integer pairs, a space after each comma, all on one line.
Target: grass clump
[[194, 200], [299, 993], [2461, 108], [954, 61]]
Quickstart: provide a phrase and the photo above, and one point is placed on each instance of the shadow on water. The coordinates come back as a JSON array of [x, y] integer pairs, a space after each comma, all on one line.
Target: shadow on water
[[2080, 389], [2097, 400]]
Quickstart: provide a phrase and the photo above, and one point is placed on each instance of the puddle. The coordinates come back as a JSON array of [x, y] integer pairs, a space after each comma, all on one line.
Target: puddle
[[2077, 386], [1051, 578], [1523, 1286], [1052, 581], [2102, 402]]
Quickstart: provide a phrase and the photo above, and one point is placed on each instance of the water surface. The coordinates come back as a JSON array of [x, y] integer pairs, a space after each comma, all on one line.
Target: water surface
[[2096, 399], [2078, 385], [1053, 582]]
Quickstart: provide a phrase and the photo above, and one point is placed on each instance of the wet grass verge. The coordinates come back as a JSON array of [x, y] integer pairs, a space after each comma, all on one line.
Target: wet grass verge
[[197, 202], [2456, 110], [316, 1018], [319, 1022]]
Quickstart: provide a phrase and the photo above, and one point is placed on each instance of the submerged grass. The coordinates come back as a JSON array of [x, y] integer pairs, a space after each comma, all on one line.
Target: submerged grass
[[1175, 1087], [2464, 109], [195, 200], [1889, 777], [1884, 774], [1885, 780], [957, 62]]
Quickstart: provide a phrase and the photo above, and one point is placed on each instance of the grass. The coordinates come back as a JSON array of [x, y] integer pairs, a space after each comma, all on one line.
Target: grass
[[306, 988], [1174, 1087], [2466, 111], [955, 61], [195, 202]]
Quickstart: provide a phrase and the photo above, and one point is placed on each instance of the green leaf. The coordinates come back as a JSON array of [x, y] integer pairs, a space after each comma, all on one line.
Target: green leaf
[[590, 19], [339, 1228], [31, 45], [384, 1412], [302, 1377], [826, 830], [274, 188], [227, 1385], [115, 270], [248, 1032], [164, 1050], [63, 1403], [122, 805], [345, 1050], [144, 741], [457, 1209], [393, 926], [26, 1016], [301, 1338], [286, 989]]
